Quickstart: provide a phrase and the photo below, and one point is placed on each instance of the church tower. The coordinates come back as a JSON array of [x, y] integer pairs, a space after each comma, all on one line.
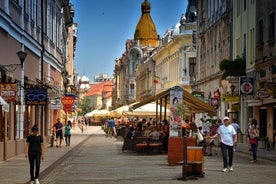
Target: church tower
[[145, 32]]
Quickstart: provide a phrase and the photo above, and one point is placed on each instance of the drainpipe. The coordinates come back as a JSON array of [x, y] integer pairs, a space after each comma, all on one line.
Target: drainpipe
[[41, 62]]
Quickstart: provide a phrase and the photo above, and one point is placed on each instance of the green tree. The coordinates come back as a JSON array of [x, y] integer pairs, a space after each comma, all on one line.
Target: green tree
[[233, 68], [84, 105]]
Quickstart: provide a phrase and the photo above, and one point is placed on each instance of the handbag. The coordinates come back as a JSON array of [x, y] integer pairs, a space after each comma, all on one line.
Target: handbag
[[253, 141], [199, 136]]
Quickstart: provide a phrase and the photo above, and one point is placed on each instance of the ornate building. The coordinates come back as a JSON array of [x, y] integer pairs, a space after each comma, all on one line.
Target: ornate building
[[143, 44], [213, 45]]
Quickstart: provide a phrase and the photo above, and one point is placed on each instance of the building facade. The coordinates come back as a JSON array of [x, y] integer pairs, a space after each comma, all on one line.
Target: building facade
[[243, 26], [264, 102], [213, 45], [38, 29]]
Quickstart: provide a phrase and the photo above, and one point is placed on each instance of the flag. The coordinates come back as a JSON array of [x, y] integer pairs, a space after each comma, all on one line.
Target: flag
[[156, 79]]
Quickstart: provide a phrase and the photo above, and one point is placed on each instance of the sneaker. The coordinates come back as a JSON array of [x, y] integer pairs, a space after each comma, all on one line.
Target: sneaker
[[224, 170], [36, 181], [231, 168], [31, 182]]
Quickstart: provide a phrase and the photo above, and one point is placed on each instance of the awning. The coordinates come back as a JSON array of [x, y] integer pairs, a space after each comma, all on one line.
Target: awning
[[2, 101], [195, 104]]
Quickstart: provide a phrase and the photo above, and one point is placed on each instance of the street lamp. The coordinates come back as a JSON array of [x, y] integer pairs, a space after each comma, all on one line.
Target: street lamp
[[21, 55]]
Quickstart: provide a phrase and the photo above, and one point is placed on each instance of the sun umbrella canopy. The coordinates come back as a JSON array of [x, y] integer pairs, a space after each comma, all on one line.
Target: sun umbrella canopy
[[97, 112]]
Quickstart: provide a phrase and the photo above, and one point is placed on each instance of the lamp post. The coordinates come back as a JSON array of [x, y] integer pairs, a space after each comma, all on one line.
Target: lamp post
[[21, 55]]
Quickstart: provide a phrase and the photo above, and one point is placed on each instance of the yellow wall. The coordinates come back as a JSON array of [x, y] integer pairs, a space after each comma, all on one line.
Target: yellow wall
[[244, 31]]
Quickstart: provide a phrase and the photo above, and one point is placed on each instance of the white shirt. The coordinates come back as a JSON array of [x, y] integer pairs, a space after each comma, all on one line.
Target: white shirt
[[227, 134]]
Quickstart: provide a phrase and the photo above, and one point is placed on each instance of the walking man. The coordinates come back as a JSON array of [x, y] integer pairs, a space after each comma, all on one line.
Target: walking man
[[227, 137], [58, 128]]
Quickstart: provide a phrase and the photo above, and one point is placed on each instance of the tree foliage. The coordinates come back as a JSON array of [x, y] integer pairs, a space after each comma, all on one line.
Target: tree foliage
[[85, 105], [233, 68]]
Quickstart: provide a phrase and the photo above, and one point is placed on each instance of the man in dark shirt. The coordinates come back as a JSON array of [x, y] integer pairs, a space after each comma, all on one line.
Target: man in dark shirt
[[58, 129]]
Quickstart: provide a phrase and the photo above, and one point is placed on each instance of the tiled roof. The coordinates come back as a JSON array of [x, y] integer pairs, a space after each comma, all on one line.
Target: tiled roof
[[97, 89]]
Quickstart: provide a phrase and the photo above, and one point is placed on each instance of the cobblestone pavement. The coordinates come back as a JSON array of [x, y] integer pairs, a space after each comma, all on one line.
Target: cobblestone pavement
[[93, 158], [100, 160]]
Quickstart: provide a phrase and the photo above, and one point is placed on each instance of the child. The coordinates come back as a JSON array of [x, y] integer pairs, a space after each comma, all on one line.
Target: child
[[35, 152]]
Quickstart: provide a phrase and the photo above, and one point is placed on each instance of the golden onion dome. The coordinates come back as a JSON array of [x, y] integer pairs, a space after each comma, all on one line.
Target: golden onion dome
[[145, 31]]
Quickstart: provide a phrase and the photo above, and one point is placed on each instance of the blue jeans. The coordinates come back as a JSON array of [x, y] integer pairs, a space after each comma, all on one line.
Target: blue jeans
[[227, 151], [254, 150]]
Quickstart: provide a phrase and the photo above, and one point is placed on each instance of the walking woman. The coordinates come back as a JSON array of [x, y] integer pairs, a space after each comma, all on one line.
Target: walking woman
[[35, 153], [253, 139], [68, 128]]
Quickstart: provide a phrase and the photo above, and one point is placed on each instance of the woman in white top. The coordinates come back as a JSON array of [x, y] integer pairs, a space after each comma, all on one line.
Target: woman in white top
[[227, 137]]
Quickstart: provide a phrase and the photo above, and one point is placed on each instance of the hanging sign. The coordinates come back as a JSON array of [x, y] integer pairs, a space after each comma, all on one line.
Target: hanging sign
[[246, 86], [8, 91], [67, 103], [36, 96]]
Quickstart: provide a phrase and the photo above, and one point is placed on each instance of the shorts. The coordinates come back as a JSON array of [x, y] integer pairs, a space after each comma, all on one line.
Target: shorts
[[59, 136]]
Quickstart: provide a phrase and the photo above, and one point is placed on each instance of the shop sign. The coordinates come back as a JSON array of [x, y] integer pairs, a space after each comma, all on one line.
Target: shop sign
[[67, 103], [8, 91], [55, 104], [262, 93], [36, 96], [54, 93], [246, 86], [230, 98]]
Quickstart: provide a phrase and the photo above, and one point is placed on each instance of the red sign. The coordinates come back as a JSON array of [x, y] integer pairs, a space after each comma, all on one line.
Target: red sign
[[217, 94], [67, 100], [67, 103]]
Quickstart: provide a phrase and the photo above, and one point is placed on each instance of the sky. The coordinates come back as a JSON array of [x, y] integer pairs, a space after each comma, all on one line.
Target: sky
[[105, 25]]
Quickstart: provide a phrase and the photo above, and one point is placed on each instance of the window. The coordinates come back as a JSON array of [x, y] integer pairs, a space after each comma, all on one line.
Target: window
[[271, 26], [244, 5], [238, 7], [192, 66], [244, 45], [26, 6], [260, 32]]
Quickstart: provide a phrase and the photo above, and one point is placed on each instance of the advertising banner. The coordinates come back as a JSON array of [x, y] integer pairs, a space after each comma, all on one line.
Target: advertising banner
[[176, 98]]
